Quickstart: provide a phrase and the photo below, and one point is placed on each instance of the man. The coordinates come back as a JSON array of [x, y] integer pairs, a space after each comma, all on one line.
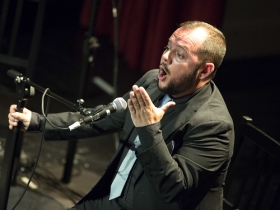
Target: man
[[179, 152]]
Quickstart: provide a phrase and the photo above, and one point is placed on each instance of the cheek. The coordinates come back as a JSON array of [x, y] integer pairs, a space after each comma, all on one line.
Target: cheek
[[177, 70]]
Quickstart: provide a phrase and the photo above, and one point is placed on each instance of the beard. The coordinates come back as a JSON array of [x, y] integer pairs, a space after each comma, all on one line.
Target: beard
[[180, 85]]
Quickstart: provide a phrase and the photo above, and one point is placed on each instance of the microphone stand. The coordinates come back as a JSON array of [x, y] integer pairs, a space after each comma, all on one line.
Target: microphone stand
[[24, 90]]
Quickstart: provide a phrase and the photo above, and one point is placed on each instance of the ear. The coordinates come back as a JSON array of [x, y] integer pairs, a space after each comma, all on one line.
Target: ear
[[206, 71]]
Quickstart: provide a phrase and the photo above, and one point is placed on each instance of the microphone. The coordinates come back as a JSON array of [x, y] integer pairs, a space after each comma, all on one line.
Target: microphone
[[118, 105]]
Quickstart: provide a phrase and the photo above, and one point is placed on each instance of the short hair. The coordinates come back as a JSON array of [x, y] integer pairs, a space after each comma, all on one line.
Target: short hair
[[213, 49]]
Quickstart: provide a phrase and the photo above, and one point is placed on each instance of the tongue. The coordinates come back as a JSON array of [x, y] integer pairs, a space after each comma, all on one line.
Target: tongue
[[161, 74]]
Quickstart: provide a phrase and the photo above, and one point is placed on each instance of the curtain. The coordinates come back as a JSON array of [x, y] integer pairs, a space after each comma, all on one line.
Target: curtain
[[144, 26]]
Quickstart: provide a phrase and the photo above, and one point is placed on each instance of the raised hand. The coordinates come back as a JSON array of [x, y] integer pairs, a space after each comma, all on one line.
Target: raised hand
[[143, 112]]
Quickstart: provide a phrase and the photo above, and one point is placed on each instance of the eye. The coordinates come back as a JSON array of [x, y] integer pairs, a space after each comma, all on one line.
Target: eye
[[179, 55]]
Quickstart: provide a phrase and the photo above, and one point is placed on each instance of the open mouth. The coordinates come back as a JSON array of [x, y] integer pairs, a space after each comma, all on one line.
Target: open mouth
[[162, 73]]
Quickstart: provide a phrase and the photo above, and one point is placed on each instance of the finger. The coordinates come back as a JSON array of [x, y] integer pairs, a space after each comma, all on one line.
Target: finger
[[13, 122], [166, 106], [11, 118], [145, 97], [137, 100], [135, 88], [134, 100], [141, 97], [131, 106], [17, 116], [13, 108]]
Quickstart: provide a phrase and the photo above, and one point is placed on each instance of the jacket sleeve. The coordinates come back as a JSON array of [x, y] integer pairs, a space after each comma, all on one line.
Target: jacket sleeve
[[61, 121], [111, 124]]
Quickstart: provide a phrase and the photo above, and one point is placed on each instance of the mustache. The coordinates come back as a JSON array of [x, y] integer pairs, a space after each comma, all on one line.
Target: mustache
[[164, 65]]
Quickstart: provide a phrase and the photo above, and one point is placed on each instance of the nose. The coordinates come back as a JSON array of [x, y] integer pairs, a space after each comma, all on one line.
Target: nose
[[166, 56]]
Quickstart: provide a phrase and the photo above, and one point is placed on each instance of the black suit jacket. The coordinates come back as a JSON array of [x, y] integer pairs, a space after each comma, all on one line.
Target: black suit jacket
[[184, 158]]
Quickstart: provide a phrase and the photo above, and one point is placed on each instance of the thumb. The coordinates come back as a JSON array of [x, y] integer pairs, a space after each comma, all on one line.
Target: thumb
[[19, 116], [166, 106]]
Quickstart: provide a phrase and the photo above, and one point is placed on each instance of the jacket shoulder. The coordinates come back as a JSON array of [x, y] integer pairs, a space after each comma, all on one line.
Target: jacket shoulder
[[214, 109], [148, 78]]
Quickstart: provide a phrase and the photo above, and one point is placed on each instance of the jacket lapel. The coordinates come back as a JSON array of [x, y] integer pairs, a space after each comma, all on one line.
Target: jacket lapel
[[180, 114]]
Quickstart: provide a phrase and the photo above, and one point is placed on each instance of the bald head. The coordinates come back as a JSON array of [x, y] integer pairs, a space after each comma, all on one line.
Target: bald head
[[213, 47]]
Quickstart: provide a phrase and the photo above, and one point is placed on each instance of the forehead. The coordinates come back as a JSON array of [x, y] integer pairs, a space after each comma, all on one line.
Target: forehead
[[190, 38]]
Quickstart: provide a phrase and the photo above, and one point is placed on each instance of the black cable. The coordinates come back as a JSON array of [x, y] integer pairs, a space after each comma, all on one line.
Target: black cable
[[43, 112], [47, 177], [56, 183]]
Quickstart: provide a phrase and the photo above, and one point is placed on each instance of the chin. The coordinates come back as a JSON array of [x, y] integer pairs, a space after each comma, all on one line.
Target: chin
[[161, 86]]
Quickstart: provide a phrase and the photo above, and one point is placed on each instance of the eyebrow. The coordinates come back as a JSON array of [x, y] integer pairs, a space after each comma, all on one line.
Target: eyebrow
[[181, 46], [185, 48]]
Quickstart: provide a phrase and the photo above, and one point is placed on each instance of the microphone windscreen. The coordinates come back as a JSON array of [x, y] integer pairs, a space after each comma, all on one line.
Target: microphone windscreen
[[120, 104]]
